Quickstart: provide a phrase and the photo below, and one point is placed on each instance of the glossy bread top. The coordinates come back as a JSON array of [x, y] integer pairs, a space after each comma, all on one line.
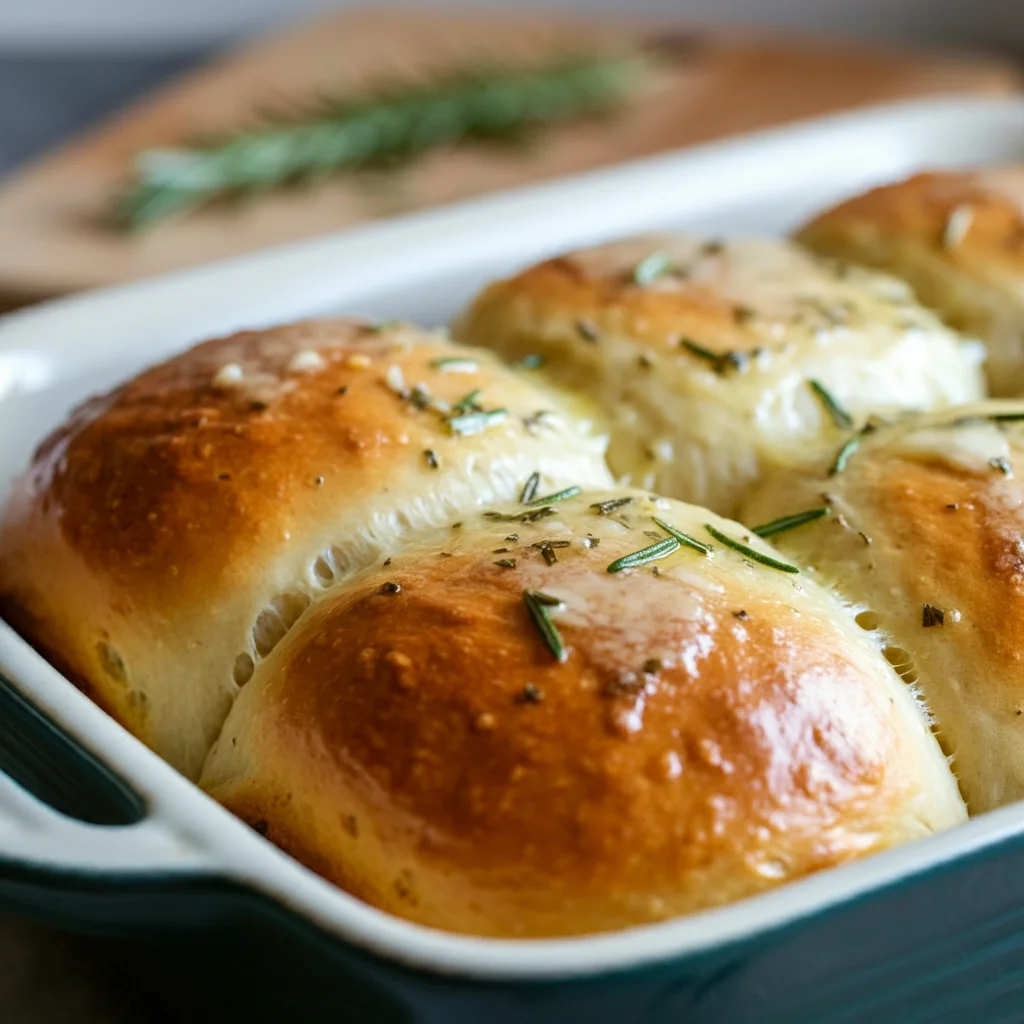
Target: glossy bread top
[[496, 734]]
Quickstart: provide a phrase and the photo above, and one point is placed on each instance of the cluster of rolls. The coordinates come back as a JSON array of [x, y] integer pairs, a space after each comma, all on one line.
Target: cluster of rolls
[[689, 567]]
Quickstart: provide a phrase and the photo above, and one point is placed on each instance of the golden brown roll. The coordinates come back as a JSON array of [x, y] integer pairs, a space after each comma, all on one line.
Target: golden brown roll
[[171, 532], [958, 239], [497, 734], [703, 353], [924, 536]]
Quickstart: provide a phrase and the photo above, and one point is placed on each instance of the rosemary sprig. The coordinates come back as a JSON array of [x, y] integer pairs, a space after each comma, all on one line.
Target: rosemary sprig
[[843, 455], [381, 127], [539, 607], [564, 495], [1006, 417], [840, 417], [683, 538], [730, 542], [662, 549], [785, 523]]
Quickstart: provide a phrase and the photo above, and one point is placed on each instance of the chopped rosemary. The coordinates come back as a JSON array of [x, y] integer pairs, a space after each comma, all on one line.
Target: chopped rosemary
[[455, 364], [1006, 417], [772, 563], [700, 351], [379, 127], [506, 563], [932, 616], [651, 267], [843, 455], [683, 538], [390, 588], [563, 495], [531, 515], [530, 489], [539, 607], [604, 508], [532, 361], [530, 694], [586, 330], [468, 401], [1002, 464], [475, 422], [662, 549], [431, 456], [789, 522], [840, 417]]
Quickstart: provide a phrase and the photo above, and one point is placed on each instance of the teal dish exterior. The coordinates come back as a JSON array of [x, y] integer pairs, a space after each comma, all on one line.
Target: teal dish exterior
[[945, 945]]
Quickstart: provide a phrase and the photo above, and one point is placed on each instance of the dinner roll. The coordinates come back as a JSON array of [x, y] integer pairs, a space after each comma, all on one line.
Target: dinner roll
[[924, 536], [703, 353], [958, 239], [164, 540], [500, 734]]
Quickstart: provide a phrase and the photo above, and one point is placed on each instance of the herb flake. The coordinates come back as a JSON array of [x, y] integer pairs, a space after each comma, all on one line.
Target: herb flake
[[651, 267]]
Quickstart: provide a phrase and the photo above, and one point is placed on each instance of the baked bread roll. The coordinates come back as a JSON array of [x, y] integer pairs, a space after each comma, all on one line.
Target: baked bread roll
[[498, 735], [170, 533], [958, 239], [703, 353], [923, 537]]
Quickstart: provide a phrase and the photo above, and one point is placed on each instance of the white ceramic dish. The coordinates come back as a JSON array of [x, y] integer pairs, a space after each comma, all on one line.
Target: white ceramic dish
[[424, 267]]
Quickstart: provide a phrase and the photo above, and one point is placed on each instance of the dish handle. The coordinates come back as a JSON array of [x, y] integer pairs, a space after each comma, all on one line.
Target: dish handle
[[63, 811]]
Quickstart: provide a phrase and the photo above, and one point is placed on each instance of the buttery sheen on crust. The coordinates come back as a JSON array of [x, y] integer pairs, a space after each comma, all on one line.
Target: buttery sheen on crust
[[702, 353], [958, 239], [717, 727], [171, 532], [925, 539]]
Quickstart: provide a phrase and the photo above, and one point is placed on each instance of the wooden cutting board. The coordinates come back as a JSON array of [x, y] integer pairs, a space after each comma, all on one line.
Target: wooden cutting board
[[54, 234]]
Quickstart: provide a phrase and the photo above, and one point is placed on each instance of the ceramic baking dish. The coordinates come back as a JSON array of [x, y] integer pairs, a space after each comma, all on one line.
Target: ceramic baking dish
[[97, 833]]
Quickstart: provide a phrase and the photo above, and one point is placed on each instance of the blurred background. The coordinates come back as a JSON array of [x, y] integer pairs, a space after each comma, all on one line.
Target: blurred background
[[87, 87], [110, 83]]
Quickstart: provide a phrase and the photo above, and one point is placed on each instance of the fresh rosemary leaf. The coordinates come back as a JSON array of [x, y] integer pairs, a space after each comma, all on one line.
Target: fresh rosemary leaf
[[1006, 417], [840, 417], [649, 554], [651, 267], [683, 538], [475, 422], [532, 361], [604, 508], [932, 616], [530, 489], [772, 563], [455, 364], [506, 563], [563, 495], [843, 455], [531, 515], [700, 351], [382, 127], [789, 522], [539, 607], [466, 402]]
